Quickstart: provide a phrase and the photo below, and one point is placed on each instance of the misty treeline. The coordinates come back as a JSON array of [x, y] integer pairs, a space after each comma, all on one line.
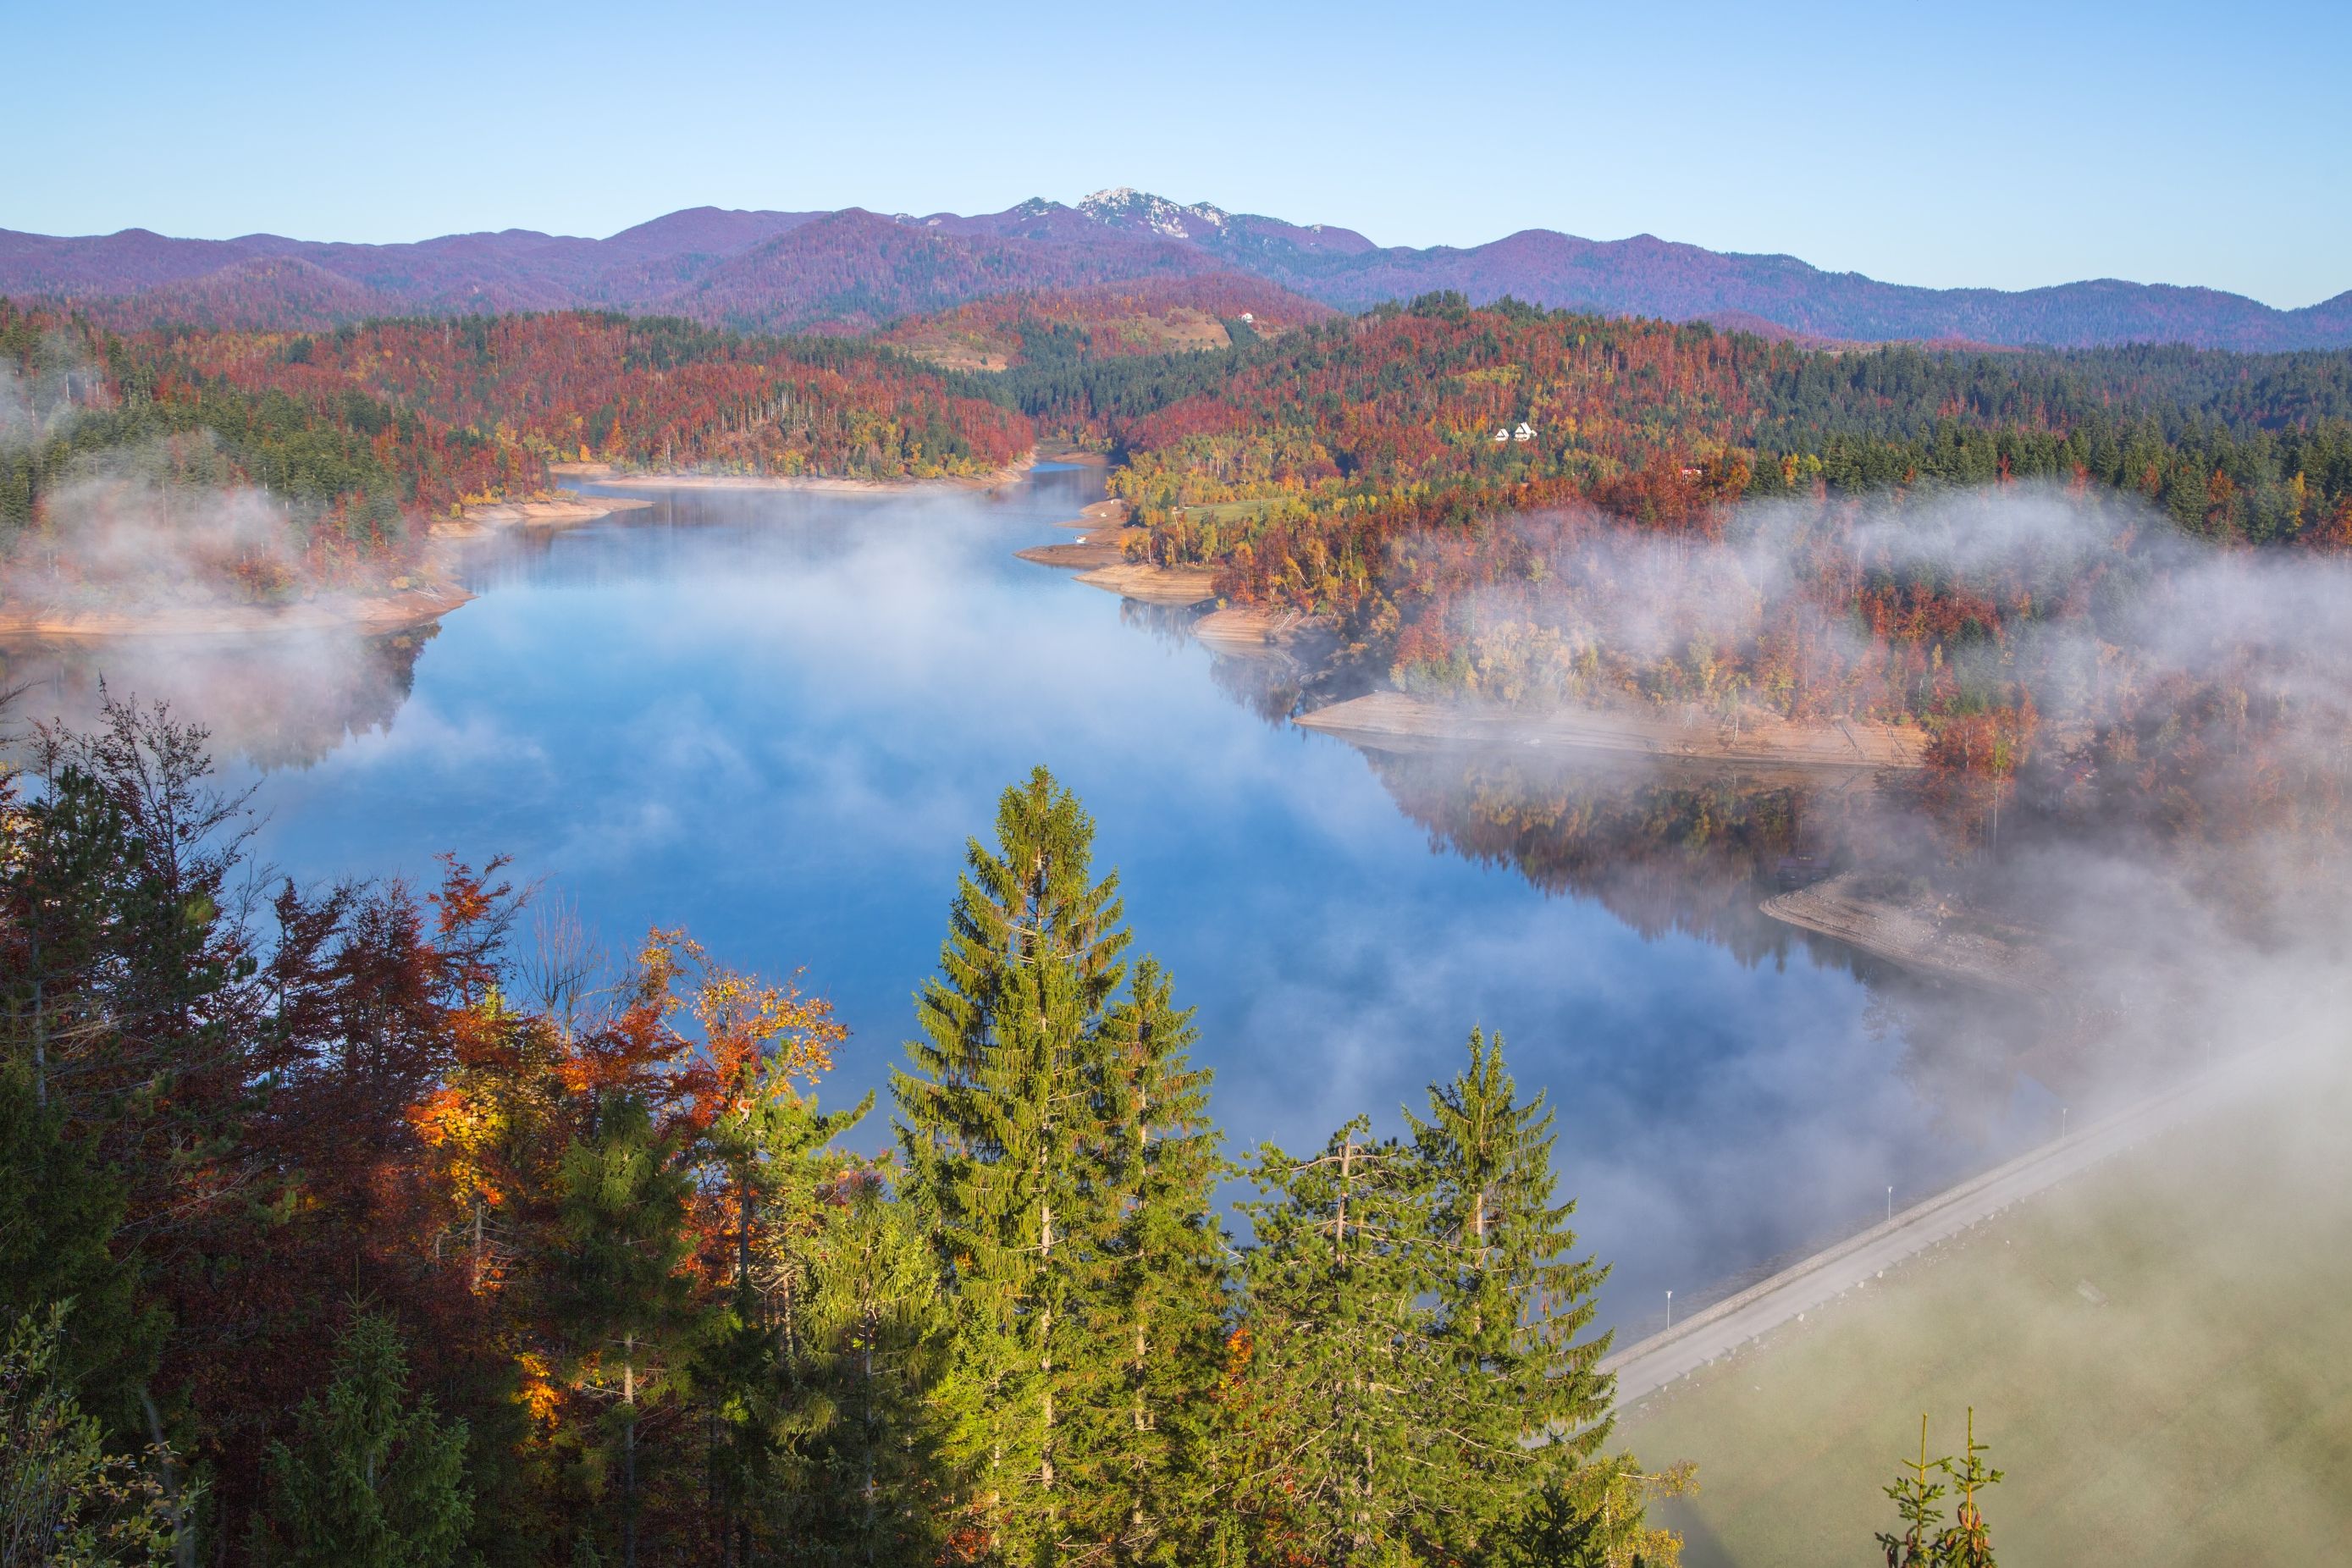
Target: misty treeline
[[1538, 508], [1353, 439], [123, 469], [370, 1225], [187, 462]]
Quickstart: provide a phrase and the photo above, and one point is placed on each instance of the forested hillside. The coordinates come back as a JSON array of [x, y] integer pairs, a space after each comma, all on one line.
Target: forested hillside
[[254, 468], [1472, 496], [128, 474], [368, 1225], [639, 392], [1110, 321]]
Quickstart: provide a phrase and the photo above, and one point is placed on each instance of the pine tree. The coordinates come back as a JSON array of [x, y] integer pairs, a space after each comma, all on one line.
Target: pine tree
[[1342, 1386], [873, 1339], [1057, 1145], [57, 1220], [1158, 1291], [1526, 1405], [998, 1118], [372, 1479], [1596, 1516], [752, 1371], [621, 1305], [1915, 1498], [1966, 1542]]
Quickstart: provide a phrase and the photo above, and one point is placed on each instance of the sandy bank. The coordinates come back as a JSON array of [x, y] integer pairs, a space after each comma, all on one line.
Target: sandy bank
[[386, 612], [562, 513], [1253, 631], [1393, 722], [1154, 585], [1921, 932], [604, 474], [1104, 547], [1101, 514]]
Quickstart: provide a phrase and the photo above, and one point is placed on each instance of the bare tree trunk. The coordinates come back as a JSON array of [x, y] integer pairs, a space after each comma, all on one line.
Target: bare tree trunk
[[184, 1539], [629, 1466]]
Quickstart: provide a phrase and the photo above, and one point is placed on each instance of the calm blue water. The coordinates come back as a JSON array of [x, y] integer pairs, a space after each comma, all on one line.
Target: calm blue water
[[774, 719]]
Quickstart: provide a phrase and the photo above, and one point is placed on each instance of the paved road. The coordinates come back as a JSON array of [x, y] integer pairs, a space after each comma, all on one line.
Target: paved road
[[1649, 1365]]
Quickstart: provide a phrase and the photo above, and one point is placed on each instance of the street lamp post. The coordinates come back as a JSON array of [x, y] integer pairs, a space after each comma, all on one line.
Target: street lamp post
[[1670, 1308], [1890, 1203], [2061, 1122]]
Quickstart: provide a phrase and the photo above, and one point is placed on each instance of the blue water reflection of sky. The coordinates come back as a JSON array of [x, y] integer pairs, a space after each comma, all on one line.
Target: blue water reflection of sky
[[774, 719]]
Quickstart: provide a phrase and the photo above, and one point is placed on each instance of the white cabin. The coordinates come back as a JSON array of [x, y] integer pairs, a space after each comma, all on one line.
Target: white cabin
[[1526, 432], [1248, 319], [1501, 436]]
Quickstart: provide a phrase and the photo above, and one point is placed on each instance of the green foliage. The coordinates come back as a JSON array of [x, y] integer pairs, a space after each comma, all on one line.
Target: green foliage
[[58, 1216], [372, 1479], [1966, 1542], [1353, 1447], [1054, 1140], [617, 1293], [661, 1314], [874, 1331], [1146, 1436], [1512, 1298], [65, 1502], [1596, 1516], [1412, 1311]]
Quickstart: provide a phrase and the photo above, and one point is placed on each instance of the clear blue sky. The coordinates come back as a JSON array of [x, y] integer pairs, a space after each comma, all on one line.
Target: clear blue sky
[[1987, 143]]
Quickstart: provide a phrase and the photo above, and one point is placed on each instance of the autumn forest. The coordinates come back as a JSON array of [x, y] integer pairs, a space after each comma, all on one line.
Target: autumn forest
[[380, 1223]]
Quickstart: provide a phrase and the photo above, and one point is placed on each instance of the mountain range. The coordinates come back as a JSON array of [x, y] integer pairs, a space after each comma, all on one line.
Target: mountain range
[[855, 270]]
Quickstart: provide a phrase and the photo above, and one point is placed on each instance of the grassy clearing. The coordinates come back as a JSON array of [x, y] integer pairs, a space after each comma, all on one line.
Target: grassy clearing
[[2199, 1413], [1228, 510]]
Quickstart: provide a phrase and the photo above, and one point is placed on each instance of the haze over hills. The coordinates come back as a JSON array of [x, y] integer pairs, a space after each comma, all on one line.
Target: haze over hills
[[854, 269]]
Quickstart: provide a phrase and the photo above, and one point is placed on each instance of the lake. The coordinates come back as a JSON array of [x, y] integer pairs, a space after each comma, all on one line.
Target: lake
[[774, 717]]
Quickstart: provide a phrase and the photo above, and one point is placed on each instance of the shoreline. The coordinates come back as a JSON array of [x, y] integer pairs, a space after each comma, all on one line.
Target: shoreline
[[1938, 941], [567, 509], [1397, 721], [1175, 586], [1099, 514], [367, 614], [686, 479], [1253, 631]]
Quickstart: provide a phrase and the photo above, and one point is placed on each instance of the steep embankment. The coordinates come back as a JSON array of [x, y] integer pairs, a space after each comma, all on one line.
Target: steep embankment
[[1396, 721], [1921, 932]]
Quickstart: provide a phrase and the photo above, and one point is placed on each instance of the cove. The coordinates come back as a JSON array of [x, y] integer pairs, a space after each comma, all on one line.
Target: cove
[[774, 717]]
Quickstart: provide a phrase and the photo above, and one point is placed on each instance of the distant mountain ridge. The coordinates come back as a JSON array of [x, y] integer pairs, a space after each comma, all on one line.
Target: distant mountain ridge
[[854, 269]]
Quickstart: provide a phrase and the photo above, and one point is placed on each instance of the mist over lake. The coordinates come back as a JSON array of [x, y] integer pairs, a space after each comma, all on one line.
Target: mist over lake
[[774, 717]]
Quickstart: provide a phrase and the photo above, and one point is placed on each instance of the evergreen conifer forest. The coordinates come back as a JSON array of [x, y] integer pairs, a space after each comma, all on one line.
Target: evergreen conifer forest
[[384, 1238], [1583, 802]]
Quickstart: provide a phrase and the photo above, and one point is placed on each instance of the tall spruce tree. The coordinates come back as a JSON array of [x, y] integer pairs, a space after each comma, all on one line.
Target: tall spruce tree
[[1412, 1389], [1528, 1405], [615, 1294], [1345, 1455], [1159, 1295], [58, 1215], [752, 1371], [372, 1480], [873, 1342], [1056, 1144]]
